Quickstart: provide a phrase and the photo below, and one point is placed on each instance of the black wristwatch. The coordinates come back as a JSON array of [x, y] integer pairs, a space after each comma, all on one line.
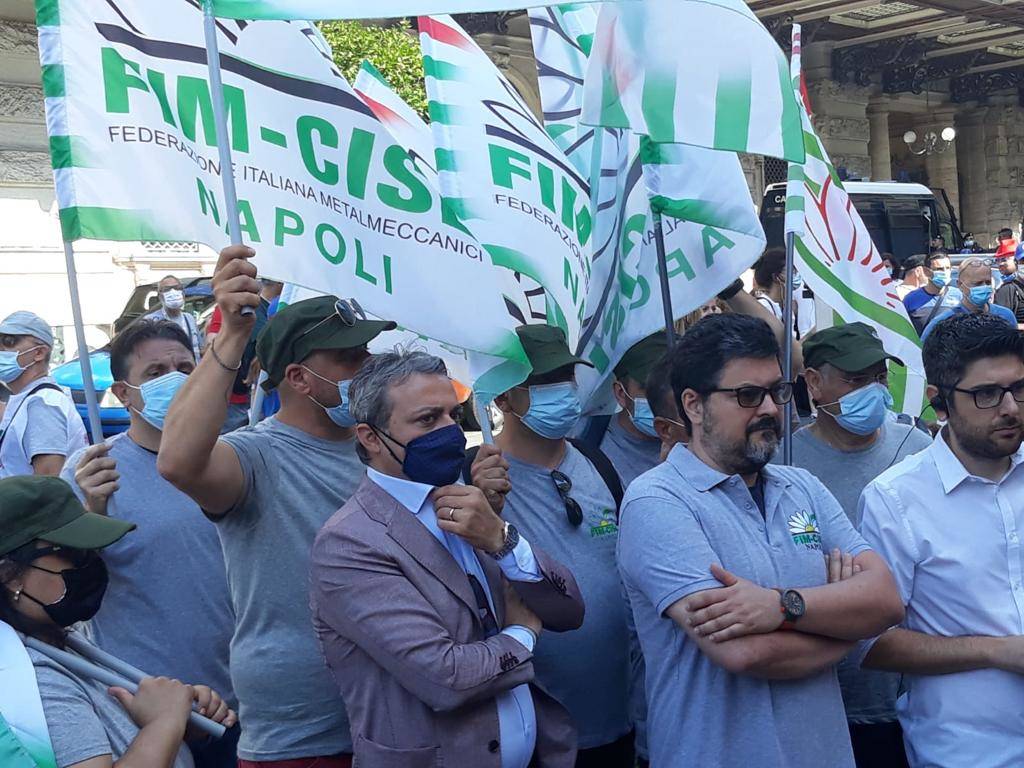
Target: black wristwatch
[[731, 290], [510, 542], [792, 605]]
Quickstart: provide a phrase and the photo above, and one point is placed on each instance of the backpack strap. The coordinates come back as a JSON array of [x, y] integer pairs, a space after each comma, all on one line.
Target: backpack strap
[[37, 388], [597, 427], [595, 456], [604, 468], [939, 299]]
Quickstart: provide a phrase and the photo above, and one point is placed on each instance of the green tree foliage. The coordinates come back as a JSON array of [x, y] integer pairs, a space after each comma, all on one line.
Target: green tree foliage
[[392, 50]]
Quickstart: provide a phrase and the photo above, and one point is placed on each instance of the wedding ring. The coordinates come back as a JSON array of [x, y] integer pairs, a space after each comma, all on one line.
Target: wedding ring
[[451, 514]]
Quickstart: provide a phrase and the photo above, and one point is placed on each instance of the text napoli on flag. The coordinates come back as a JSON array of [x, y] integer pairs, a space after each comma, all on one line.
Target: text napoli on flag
[[506, 179], [702, 72], [360, 9], [327, 197], [704, 253], [839, 262]]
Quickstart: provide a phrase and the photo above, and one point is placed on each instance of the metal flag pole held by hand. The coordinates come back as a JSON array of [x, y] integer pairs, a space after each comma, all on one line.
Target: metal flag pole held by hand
[[666, 296], [93, 664], [227, 168], [84, 361], [787, 351]]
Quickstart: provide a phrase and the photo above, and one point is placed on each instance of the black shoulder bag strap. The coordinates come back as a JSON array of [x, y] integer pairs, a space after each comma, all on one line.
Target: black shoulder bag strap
[[37, 388], [595, 456], [604, 468], [939, 298]]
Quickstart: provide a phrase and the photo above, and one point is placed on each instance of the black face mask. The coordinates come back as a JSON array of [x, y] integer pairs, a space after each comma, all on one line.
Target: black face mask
[[84, 587]]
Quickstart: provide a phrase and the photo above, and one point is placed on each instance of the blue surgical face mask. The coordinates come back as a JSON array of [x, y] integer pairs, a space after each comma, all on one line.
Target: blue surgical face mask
[[339, 413], [433, 459], [157, 395], [643, 416], [863, 411], [554, 410], [941, 278], [10, 368], [980, 295]]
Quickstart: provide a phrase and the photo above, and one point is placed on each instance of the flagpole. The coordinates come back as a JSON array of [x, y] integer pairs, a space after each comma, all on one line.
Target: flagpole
[[787, 350], [666, 296], [91, 401], [227, 168]]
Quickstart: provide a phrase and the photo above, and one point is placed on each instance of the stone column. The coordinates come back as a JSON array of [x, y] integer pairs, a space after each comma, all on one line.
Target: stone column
[[878, 143], [971, 162]]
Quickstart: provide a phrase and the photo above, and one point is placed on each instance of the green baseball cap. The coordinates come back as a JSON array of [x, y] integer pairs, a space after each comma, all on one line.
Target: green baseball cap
[[299, 329], [850, 347], [39, 507], [640, 359], [547, 349]]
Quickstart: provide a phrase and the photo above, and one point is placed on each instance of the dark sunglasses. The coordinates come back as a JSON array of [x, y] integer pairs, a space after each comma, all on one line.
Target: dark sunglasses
[[343, 310], [573, 511], [78, 557], [752, 397]]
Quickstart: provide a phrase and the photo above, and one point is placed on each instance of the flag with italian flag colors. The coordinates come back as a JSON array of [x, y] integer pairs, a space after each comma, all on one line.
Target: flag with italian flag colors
[[715, 239], [506, 179], [360, 9], [401, 120], [702, 72], [837, 259]]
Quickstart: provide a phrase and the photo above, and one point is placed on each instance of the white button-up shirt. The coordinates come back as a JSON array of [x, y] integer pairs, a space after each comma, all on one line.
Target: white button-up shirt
[[952, 540], [517, 718]]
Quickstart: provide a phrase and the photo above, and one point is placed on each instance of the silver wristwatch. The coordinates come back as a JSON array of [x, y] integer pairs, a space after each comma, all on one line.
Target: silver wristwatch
[[511, 540]]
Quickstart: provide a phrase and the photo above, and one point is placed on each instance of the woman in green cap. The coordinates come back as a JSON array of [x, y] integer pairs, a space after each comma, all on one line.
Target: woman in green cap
[[52, 577]]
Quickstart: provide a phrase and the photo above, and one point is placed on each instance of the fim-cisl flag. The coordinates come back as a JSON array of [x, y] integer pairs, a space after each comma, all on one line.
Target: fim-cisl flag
[[719, 238], [839, 262], [505, 178], [702, 72], [24, 738], [327, 197], [360, 9]]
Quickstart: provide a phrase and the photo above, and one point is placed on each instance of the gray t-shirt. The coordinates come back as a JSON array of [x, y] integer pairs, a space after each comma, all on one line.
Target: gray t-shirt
[[84, 720], [676, 520], [167, 610], [586, 670], [630, 455], [869, 696], [289, 704]]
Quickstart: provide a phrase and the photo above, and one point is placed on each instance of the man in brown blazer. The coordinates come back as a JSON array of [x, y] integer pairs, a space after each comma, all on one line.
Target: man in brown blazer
[[427, 604]]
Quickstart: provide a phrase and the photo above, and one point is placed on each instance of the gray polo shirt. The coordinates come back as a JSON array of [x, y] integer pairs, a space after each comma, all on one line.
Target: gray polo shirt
[[630, 455], [676, 520]]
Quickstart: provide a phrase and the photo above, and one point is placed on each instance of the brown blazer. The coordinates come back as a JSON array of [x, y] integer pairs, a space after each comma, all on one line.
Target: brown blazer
[[399, 627]]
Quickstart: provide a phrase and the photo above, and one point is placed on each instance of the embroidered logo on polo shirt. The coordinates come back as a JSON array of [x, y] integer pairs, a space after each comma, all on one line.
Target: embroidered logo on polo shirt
[[803, 527], [607, 525]]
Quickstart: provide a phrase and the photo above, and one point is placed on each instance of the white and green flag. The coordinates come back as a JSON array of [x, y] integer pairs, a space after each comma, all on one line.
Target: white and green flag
[[360, 9], [400, 120], [839, 262], [24, 738], [327, 197], [506, 179], [701, 72], [717, 237]]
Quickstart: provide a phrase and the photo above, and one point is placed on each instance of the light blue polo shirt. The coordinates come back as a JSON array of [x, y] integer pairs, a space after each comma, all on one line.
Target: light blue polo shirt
[[676, 520]]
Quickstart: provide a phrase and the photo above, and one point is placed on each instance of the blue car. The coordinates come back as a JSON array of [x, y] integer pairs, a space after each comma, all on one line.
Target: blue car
[[114, 416]]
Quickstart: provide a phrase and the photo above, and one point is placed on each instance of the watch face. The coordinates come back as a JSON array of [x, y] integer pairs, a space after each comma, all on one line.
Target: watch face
[[793, 602]]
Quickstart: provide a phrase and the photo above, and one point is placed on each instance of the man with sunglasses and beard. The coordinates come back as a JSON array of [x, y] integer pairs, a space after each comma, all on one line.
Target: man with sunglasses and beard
[[563, 502], [949, 521], [729, 549], [269, 489]]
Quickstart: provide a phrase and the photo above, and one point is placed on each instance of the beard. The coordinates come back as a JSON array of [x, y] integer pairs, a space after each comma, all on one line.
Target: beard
[[747, 455], [981, 441]]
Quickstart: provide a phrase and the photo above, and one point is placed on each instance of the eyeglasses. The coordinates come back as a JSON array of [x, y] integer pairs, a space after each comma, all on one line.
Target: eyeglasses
[[858, 382], [342, 310], [752, 397], [78, 557], [992, 396], [573, 511]]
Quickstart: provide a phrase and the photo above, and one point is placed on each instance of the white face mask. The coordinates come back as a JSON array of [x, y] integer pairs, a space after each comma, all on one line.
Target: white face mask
[[174, 299]]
